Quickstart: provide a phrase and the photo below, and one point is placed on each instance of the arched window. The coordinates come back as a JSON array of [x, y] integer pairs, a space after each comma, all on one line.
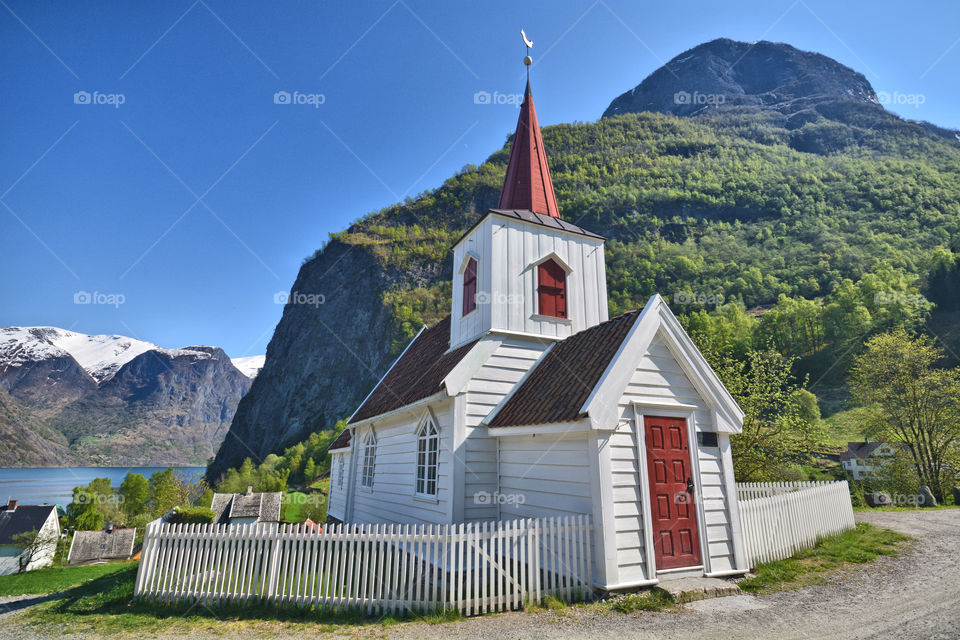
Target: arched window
[[369, 458], [470, 286], [428, 451], [551, 290]]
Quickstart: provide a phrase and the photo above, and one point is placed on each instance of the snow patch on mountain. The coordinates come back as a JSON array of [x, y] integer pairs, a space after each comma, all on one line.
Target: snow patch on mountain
[[101, 356], [250, 365]]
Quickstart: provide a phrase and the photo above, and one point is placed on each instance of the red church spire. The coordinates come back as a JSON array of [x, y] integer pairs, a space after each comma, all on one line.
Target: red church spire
[[527, 184]]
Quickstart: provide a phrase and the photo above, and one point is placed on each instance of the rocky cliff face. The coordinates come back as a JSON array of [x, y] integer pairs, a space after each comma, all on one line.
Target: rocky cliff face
[[68, 398], [323, 357]]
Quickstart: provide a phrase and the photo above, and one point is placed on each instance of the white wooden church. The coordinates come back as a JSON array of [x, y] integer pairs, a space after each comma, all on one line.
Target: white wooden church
[[527, 401]]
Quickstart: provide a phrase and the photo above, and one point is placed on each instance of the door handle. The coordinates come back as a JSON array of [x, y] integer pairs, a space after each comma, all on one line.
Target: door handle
[[690, 485]]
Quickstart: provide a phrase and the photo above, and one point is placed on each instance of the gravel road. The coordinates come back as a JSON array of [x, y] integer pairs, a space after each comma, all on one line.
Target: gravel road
[[915, 595]]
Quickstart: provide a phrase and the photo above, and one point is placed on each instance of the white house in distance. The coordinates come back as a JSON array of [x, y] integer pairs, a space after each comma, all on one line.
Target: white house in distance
[[862, 459], [528, 402], [16, 519]]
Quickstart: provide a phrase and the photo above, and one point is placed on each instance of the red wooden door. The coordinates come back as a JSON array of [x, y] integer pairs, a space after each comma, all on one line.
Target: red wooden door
[[675, 538]]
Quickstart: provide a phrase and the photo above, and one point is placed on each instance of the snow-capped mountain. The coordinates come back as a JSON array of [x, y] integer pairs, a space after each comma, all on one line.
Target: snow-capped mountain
[[73, 398], [100, 356], [250, 365]]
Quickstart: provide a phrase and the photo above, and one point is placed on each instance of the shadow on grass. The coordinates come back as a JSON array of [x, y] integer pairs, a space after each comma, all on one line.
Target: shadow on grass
[[107, 604]]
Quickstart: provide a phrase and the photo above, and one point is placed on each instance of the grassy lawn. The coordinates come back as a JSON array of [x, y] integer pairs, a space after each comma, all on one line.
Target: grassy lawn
[[294, 506], [104, 606], [845, 426], [55, 579], [863, 544], [297, 503]]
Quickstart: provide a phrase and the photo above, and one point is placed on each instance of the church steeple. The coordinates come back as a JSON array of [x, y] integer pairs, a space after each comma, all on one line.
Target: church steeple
[[527, 184], [521, 271]]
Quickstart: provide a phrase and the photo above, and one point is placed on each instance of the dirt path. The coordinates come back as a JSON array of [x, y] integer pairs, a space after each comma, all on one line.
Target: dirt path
[[916, 595]]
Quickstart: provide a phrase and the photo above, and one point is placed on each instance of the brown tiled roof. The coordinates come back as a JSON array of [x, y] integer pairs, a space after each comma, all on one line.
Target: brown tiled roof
[[562, 381], [342, 441], [418, 373]]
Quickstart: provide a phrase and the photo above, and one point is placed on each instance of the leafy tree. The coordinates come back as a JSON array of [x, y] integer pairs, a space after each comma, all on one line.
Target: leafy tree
[[918, 404], [82, 510], [779, 427], [164, 492], [135, 491]]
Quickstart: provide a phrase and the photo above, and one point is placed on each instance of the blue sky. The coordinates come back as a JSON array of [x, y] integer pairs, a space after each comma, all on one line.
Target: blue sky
[[196, 200]]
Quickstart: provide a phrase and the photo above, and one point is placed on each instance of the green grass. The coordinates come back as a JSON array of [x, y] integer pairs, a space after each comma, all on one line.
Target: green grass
[[105, 606], [43, 581], [294, 506], [863, 544], [846, 426], [652, 600], [321, 484]]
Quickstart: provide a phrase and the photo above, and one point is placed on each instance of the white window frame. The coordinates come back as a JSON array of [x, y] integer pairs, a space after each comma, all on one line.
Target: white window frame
[[428, 433], [368, 463], [339, 470]]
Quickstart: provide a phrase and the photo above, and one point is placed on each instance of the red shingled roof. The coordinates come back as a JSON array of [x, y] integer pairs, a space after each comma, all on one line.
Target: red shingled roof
[[417, 374], [563, 379], [527, 184]]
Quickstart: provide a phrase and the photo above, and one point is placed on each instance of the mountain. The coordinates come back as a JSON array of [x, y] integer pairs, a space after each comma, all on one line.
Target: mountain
[[729, 74], [69, 398], [771, 81], [250, 365], [797, 183]]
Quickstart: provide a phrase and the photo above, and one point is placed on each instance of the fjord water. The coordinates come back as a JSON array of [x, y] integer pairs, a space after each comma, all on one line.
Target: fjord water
[[54, 485]]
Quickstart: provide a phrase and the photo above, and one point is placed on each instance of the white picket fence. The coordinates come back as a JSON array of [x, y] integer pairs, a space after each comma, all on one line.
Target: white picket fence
[[472, 568], [781, 518], [751, 490]]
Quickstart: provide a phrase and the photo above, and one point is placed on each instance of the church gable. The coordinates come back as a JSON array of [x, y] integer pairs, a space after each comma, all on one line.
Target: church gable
[[656, 328]]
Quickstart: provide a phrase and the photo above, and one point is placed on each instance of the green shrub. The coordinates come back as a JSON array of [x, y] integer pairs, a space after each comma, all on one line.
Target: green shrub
[[192, 515]]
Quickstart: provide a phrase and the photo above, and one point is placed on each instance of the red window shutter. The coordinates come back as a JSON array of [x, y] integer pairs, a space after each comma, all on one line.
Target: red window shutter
[[470, 287], [551, 290]]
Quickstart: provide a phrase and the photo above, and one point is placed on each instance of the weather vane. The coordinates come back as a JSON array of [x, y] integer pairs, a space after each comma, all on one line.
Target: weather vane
[[527, 60]]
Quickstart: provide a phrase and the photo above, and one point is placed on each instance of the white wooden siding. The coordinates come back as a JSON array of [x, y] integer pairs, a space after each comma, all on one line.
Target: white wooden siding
[[391, 499], [544, 476], [627, 489], [492, 382], [659, 379], [506, 280]]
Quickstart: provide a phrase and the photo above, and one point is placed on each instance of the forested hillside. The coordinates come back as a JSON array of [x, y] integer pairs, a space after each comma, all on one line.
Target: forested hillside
[[804, 234]]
